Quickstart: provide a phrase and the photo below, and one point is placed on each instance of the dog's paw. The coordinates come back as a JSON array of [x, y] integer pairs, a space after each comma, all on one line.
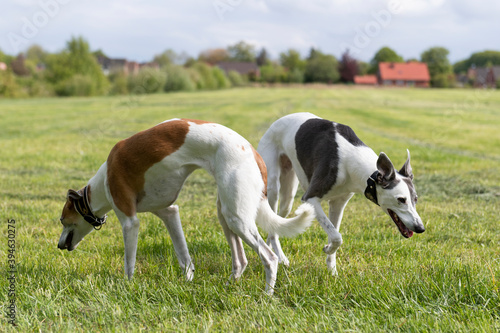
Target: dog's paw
[[189, 271], [284, 260], [329, 249], [331, 264]]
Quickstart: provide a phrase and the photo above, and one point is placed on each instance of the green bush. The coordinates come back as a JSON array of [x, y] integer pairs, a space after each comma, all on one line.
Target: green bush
[[77, 85], [236, 79], [9, 87], [178, 79], [220, 78], [148, 81], [195, 77], [119, 84], [207, 79], [443, 80], [36, 86], [272, 73], [296, 76]]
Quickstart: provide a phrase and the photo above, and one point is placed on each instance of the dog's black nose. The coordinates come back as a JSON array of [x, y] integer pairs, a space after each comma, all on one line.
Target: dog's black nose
[[419, 229]]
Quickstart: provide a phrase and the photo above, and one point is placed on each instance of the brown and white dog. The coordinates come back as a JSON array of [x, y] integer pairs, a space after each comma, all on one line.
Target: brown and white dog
[[145, 173]]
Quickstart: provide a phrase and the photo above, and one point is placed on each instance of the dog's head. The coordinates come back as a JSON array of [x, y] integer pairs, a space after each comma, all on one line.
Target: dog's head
[[397, 196], [74, 226]]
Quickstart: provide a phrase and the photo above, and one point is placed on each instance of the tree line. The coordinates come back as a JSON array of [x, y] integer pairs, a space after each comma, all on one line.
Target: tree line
[[75, 70]]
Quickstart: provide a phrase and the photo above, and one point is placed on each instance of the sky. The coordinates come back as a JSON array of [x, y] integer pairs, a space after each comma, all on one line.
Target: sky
[[137, 30]]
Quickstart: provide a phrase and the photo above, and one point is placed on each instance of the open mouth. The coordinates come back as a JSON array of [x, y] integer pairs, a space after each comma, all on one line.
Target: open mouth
[[407, 233], [67, 243]]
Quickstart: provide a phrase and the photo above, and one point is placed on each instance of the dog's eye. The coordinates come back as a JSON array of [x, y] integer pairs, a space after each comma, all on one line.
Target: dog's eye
[[402, 200]]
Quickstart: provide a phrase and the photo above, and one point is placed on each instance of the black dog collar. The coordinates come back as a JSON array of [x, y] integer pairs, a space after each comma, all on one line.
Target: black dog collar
[[371, 188], [83, 207]]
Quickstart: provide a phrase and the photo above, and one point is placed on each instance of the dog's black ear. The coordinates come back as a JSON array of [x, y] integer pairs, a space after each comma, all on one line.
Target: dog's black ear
[[406, 169], [386, 170], [73, 195]]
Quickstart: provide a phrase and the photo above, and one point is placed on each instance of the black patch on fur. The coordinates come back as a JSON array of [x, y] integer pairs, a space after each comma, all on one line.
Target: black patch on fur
[[388, 185], [348, 134], [317, 152]]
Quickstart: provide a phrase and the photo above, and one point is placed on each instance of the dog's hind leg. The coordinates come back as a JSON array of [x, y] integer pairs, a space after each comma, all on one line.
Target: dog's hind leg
[[288, 188], [282, 186], [249, 233], [171, 219], [239, 260], [335, 213]]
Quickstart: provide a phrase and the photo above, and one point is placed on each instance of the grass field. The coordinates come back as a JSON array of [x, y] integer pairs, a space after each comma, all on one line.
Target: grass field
[[444, 280]]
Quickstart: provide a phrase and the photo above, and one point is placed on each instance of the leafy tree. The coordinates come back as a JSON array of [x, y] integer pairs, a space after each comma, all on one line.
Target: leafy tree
[[5, 58], [99, 53], [19, 66], [385, 54], [166, 58], [241, 52], [76, 59], [348, 67], [321, 68], [439, 66], [213, 56], [363, 67], [262, 58], [36, 54], [291, 60], [313, 53], [478, 59]]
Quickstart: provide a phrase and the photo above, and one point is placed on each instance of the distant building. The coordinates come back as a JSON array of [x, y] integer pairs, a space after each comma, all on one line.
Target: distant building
[[244, 68], [485, 77], [132, 68], [405, 74], [110, 65], [368, 80]]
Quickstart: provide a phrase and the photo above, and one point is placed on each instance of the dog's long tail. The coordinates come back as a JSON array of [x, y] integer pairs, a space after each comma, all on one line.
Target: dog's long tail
[[286, 227]]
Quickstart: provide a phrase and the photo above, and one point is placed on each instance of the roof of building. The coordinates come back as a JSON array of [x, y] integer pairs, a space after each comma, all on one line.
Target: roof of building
[[405, 71], [365, 79]]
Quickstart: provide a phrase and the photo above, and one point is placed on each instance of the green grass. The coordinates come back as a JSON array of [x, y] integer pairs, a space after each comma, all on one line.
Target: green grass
[[444, 280]]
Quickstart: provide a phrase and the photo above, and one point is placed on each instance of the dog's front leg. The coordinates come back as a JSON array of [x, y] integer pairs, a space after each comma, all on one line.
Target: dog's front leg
[[130, 229], [335, 213], [334, 237]]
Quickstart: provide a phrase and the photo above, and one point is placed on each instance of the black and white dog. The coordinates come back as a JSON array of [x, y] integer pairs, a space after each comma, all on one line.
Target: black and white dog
[[332, 163]]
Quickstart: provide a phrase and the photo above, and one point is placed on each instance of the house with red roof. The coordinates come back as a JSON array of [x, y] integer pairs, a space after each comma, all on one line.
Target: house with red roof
[[367, 80], [404, 74]]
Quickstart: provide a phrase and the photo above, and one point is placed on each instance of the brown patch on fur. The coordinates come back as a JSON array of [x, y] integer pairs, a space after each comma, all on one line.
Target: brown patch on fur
[[243, 148], [69, 214], [285, 163], [129, 160], [263, 170]]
